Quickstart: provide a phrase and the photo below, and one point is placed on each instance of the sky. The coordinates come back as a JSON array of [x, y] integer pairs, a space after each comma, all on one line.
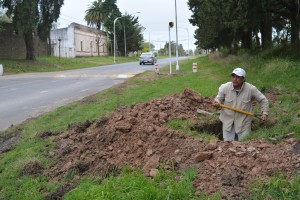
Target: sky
[[154, 15]]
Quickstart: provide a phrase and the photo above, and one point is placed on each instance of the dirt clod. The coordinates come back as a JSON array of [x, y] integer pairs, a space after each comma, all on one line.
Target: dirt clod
[[44, 134], [296, 147], [9, 141], [79, 127]]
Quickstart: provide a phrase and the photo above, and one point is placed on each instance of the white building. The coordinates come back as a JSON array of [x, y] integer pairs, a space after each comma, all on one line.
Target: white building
[[78, 41]]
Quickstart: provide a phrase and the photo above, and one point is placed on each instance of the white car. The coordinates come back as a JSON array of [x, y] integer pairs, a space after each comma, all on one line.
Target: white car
[[148, 57]]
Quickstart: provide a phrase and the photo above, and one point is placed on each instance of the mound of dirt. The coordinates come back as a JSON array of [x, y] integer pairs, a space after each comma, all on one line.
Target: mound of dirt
[[138, 137]]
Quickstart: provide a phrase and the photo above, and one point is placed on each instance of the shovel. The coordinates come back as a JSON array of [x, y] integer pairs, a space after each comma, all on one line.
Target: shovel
[[230, 108], [238, 110]]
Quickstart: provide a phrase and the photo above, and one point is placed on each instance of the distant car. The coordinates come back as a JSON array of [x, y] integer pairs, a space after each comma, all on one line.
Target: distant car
[[148, 57]]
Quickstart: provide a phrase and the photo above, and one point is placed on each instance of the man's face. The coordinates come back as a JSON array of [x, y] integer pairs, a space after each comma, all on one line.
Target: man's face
[[237, 81]]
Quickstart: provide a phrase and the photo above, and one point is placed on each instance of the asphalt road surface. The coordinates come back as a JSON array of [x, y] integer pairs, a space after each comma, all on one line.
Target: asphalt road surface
[[29, 95]]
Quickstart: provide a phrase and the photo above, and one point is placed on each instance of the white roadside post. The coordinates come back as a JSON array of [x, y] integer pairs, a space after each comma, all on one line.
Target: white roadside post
[[194, 67], [1, 69], [171, 24], [156, 68]]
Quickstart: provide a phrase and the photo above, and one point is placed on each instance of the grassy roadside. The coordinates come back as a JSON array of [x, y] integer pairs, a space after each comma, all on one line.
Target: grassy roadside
[[50, 64], [278, 74]]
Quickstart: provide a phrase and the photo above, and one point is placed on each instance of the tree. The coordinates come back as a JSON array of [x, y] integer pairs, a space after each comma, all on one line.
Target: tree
[[127, 26], [181, 50], [33, 16], [289, 11], [49, 13], [4, 19], [104, 12], [209, 16], [95, 14], [111, 11], [129, 29], [173, 49], [147, 47], [239, 23]]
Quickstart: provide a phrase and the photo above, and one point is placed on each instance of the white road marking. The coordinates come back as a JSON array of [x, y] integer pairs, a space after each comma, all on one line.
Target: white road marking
[[84, 90], [125, 75]]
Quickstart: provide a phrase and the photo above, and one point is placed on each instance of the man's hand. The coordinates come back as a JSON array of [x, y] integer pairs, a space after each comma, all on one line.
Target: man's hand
[[264, 117], [216, 104]]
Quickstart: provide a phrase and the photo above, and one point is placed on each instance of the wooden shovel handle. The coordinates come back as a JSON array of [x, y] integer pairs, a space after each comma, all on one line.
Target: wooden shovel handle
[[238, 110]]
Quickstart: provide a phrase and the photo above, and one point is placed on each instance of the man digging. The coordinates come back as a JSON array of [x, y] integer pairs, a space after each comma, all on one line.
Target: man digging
[[239, 94]]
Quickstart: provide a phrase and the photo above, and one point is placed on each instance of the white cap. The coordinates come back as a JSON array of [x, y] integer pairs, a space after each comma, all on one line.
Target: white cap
[[239, 72]]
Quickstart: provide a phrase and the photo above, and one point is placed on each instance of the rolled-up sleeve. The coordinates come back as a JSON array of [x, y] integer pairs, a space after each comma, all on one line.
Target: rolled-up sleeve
[[221, 94]]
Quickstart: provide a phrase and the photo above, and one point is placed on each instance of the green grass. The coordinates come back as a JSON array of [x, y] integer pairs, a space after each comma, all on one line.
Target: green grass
[[278, 187], [133, 185], [266, 73], [50, 64], [185, 127], [13, 184]]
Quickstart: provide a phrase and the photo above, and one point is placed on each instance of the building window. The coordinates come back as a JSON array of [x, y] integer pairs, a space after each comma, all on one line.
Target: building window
[[81, 46]]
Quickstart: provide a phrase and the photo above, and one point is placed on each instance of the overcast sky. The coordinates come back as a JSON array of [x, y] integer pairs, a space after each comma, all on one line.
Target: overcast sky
[[154, 15]]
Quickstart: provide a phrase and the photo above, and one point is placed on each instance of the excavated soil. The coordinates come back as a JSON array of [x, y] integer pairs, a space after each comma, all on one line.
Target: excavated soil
[[138, 136], [9, 141]]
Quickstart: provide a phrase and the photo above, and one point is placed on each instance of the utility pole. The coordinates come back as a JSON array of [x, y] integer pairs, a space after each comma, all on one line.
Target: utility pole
[[125, 48], [171, 24], [115, 38], [177, 65], [188, 42], [124, 40], [149, 43], [59, 47]]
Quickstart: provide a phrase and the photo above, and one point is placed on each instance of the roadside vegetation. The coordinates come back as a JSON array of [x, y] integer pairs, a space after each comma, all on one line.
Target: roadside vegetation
[[50, 64], [278, 75]]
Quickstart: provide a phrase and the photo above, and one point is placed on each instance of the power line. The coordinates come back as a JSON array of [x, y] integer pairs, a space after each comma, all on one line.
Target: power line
[[165, 40], [66, 22], [73, 17], [61, 18]]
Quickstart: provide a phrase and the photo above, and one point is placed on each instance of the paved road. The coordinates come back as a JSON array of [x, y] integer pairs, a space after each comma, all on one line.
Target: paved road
[[28, 95]]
